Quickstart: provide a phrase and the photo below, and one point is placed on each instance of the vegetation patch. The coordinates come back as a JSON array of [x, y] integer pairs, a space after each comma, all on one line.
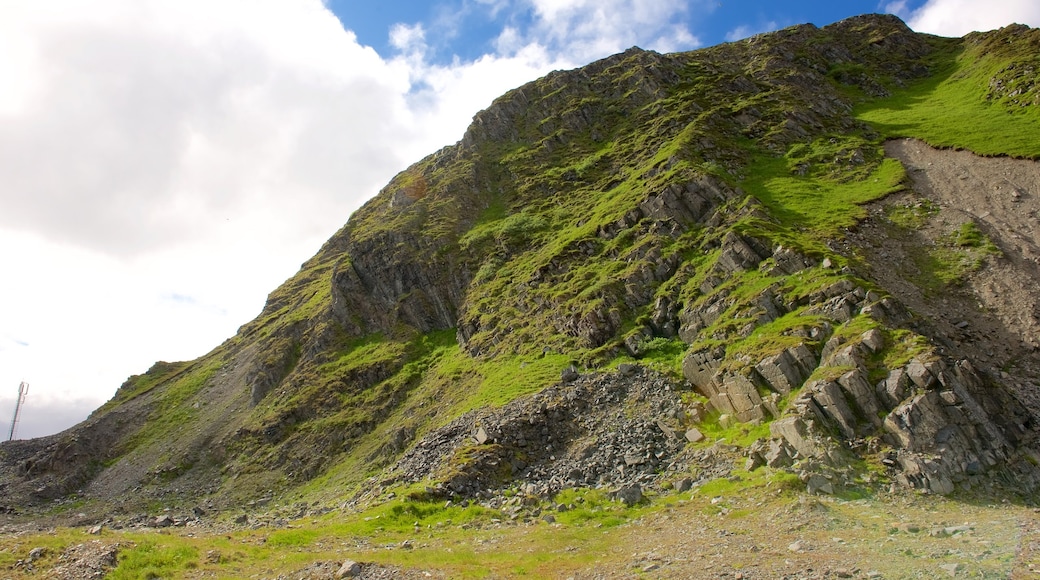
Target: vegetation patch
[[155, 559], [830, 201], [953, 106]]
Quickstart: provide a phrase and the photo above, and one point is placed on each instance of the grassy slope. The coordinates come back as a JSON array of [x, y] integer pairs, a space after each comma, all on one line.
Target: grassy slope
[[955, 106]]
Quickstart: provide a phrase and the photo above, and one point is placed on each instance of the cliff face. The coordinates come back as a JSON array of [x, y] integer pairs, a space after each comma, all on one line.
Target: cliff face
[[690, 217]]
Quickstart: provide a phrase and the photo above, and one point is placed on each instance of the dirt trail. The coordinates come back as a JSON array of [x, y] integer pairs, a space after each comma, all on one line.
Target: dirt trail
[[993, 318]]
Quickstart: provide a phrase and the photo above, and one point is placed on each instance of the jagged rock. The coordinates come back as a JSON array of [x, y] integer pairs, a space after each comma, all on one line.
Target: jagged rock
[[754, 461], [569, 374], [798, 433], [739, 253], [788, 369], [668, 431], [163, 521], [685, 204], [874, 340], [693, 435], [37, 553], [787, 261], [817, 484], [699, 367], [739, 397], [862, 398], [629, 495], [893, 389], [923, 374], [349, 569], [777, 456], [696, 412]]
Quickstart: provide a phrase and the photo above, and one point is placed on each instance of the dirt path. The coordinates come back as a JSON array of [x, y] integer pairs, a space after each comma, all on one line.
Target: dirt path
[[993, 318]]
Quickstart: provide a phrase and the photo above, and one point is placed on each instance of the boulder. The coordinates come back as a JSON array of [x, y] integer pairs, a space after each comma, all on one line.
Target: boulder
[[923, 374], [349, 569], [818, 484], [798, 434], [776, 456], [569, 374], [630, 495], [787, 370], [699, 368], [163, 521], [694, 435]]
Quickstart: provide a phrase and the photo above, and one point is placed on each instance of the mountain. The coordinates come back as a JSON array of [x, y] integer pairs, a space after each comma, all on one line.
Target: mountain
[[819, 245]]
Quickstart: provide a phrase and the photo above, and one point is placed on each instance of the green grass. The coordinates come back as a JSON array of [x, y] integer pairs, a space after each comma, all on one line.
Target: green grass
[[137, 385], [155, 559], [175, 407], [911, 216], [821, 206], [493, 383], [741, 481], [743, 434], [950, 108]]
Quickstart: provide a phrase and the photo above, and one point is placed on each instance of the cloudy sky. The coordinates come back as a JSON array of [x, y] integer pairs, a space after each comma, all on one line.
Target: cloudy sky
[[164, 164]]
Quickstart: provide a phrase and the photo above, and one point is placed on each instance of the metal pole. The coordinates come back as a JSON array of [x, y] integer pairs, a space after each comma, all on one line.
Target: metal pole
[[23, 389]]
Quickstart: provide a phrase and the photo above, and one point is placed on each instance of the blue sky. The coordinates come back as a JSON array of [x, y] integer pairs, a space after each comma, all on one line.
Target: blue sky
[[168, 163], [467, 29]]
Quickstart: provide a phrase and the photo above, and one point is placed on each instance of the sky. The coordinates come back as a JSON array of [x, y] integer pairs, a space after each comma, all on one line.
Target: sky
[[165, 164]]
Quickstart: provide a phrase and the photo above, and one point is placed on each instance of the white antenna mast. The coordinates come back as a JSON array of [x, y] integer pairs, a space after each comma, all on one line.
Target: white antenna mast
[[23, 390]]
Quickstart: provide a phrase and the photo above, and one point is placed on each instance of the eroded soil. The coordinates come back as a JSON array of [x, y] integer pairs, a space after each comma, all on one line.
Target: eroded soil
[[993, 317]]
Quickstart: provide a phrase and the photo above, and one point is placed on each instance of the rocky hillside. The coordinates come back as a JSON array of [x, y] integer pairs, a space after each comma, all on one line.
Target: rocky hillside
[[622, 264]]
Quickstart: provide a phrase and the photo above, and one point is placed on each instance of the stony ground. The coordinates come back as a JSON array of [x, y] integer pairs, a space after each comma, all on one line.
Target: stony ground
[[757, 534]]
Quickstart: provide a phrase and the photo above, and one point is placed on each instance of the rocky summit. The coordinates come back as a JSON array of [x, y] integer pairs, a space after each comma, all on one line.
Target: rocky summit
[[772, 279]]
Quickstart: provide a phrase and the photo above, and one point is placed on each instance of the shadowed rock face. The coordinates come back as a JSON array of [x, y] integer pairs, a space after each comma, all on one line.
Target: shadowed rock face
[[593, 214]]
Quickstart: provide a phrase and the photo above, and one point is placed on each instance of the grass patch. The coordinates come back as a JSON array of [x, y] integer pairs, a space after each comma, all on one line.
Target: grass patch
[[153, 560], [953, 107], [912, 216], [742, 434], [492, 383], [820, 205], [740, 482], [954, 257], [175, 403]]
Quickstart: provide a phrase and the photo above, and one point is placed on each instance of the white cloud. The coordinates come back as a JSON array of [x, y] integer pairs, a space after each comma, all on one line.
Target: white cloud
[[745, 30], [408, 38], [173, 148], [591, 29], [959, 17], [675, 39], [897, 7], [39, 417]]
